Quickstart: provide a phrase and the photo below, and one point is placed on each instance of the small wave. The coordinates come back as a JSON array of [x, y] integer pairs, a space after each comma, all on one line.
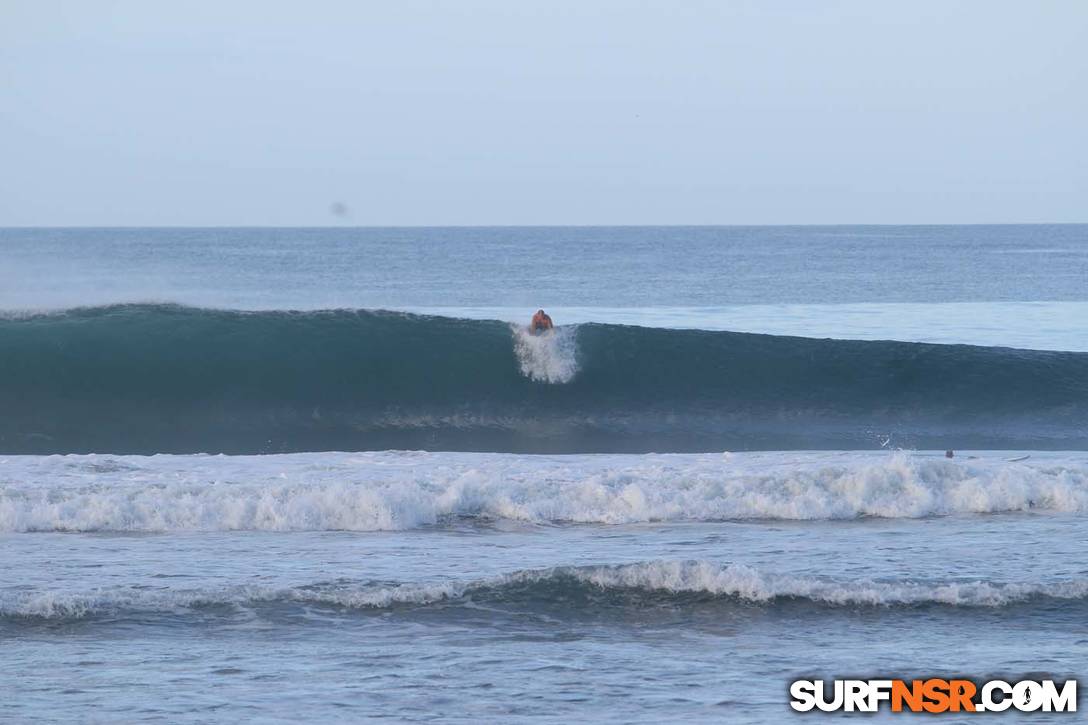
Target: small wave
[[391, 491], [640, 584]]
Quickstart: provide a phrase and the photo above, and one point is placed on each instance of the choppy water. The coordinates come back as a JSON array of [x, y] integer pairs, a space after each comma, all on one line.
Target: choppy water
[[634, 569]]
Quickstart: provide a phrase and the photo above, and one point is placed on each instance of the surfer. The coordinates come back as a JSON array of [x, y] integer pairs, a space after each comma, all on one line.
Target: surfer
[[540, 323]]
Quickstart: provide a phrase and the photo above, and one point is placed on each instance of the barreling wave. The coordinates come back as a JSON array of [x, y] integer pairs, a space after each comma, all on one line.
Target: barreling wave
[[165, 378], [397, 491], [581, 588]]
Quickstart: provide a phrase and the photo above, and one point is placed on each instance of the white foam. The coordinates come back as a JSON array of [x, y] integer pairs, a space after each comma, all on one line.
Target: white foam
[[661, 577], [398, 490], [551, 357], [754, 585]]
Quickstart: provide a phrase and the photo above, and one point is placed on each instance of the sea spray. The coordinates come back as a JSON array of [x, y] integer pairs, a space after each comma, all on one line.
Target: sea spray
[[549, 357]]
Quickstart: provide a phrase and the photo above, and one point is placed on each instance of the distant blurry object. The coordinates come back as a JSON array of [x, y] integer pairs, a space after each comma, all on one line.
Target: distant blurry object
[[339, 208]]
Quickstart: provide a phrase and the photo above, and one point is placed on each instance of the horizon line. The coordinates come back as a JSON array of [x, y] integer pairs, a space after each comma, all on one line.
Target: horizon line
[[532, 226]]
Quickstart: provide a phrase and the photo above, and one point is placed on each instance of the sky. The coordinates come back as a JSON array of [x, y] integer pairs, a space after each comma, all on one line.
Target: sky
[[497, 112]]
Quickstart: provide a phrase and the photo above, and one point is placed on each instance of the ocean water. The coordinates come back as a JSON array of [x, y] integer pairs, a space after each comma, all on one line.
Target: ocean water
[[324, 474]]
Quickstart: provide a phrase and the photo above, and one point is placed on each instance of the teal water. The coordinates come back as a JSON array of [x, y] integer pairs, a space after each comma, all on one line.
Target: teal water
[[644, 517]]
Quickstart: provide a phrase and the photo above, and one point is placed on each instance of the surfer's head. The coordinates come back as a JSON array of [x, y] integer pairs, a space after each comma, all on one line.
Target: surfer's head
[[541, 321]]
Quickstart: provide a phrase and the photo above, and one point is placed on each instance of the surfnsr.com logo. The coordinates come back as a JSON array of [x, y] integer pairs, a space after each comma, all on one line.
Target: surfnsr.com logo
[[933, 695]]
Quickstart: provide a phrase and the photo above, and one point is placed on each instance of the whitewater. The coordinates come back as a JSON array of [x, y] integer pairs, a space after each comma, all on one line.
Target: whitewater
[[327, 474], [392, 491]]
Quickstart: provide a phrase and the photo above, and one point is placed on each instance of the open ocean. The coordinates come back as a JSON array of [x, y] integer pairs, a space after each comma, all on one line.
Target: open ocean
[[324, 474]]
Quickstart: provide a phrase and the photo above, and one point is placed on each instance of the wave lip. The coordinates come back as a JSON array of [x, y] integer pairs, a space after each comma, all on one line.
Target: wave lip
[[171, 379], [600, 586], [397, 491]]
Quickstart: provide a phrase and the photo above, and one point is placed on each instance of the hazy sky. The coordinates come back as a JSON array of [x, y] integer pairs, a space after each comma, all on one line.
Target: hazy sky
[[553, 112]]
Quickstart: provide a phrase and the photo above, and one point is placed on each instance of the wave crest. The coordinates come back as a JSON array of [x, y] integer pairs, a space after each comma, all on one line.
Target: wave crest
[[641, 584], [170, 379]]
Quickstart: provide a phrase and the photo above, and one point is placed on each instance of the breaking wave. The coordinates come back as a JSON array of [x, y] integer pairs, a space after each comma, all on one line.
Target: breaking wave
[[669, 583], [551, 357], [394, 491], [172, 379]]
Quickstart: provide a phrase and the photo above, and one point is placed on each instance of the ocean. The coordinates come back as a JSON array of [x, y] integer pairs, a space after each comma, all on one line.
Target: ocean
[[325, 474]]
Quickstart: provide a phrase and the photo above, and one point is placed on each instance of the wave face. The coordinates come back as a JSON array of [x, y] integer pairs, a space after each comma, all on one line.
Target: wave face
[[641, 585], [164, 378]]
